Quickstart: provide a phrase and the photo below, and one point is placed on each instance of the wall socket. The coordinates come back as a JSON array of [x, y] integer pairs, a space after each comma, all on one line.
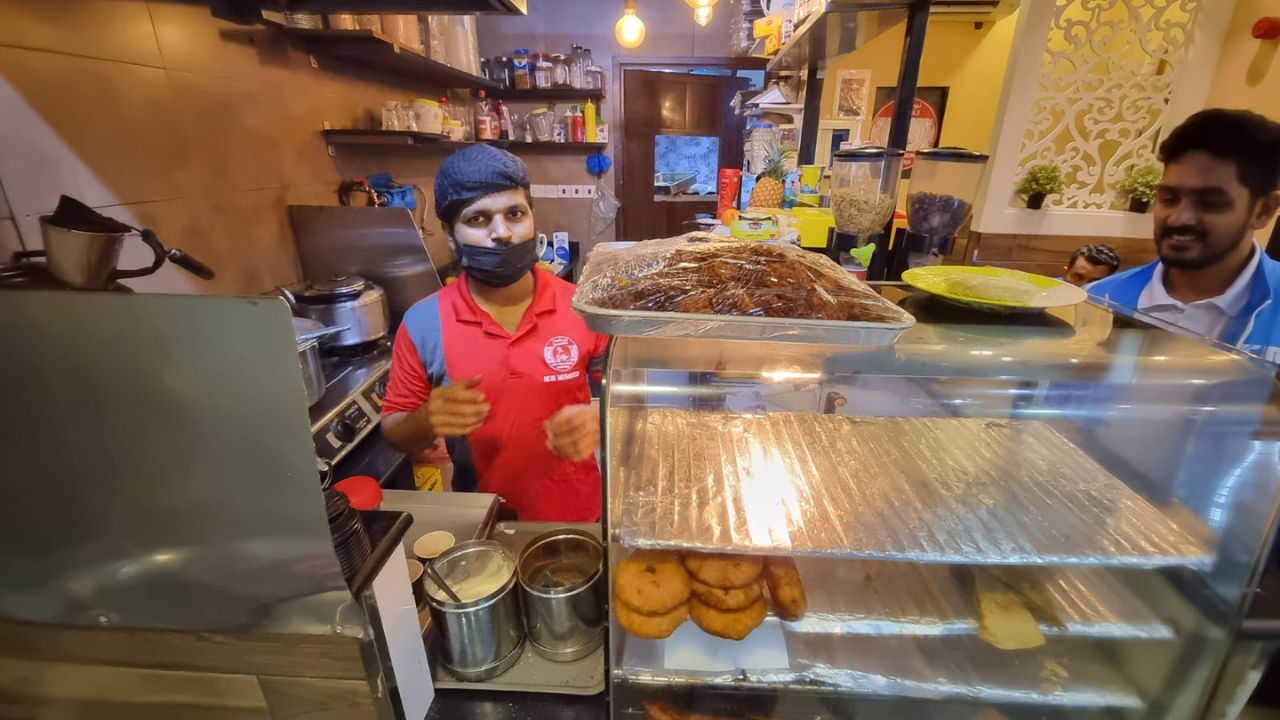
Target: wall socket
[[563, 191]]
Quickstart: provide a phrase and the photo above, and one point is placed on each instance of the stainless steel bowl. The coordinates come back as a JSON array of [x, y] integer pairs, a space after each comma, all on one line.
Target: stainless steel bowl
[[482, 636], [562, 580]]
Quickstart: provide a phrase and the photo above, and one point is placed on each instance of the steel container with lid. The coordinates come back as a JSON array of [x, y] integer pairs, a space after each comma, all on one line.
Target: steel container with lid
[[483, 635], [944, 183], [347, 301], [562, 580]]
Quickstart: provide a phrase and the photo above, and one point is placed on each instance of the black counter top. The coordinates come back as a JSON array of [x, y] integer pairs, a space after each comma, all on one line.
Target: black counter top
[[500, 705]]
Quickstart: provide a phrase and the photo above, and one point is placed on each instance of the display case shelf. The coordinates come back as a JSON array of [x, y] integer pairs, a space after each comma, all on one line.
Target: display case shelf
[[376, 51], [863, 597], [1066, 674], [930, 490]]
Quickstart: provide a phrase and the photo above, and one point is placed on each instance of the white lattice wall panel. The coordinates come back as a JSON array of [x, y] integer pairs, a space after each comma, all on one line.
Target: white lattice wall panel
[[1091, 87], [1105, 81]]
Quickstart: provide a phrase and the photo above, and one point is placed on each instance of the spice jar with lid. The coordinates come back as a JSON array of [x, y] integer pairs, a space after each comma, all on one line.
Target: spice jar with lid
[[541, 71], [560, 71]]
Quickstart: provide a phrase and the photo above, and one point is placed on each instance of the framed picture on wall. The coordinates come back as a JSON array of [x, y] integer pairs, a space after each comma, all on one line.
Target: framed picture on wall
[[926, 120], [853, 89]]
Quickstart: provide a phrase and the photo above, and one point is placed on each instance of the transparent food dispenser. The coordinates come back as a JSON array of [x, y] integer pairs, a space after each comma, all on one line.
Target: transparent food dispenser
[[944, 182], [864, 188]]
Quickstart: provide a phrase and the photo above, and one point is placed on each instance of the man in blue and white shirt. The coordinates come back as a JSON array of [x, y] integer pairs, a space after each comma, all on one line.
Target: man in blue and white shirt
[[1221, 184]]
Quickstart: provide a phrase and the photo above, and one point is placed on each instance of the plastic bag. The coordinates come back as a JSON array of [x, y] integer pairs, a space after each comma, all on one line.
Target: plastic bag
[[604, 210], [706, 274]]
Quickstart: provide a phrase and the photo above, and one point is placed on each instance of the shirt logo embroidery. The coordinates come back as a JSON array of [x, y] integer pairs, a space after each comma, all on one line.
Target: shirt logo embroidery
[[561, 353]]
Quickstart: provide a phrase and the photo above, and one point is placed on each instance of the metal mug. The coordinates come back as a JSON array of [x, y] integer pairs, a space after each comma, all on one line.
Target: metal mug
[[562, 581], [87, 260], [482, 636]]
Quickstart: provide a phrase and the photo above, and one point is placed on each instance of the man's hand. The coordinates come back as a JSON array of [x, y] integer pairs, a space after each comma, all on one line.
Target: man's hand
[[455, 410], [574, 432]]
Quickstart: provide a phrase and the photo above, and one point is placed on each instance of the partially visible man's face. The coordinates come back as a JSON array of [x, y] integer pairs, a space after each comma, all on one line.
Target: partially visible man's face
[[1203, 212], [1081, 272], [503, 218]]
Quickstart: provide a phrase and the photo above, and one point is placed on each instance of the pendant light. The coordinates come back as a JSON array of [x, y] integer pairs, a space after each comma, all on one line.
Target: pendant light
[[630, 28], [696, 4], [702, 15]]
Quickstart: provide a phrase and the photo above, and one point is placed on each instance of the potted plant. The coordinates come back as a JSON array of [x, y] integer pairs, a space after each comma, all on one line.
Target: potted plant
[[1041, 179], [1140, 185]]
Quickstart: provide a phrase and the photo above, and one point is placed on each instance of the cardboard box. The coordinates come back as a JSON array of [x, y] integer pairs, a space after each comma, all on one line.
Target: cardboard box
[[773, 43], [766, 26]]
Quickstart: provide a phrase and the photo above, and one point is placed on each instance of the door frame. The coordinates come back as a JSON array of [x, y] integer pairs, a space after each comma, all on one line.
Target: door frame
[[660, 62]]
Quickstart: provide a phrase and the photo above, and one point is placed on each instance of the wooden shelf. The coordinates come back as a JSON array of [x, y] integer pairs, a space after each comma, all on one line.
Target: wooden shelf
[[407, 138], [552, 94], [376, 51]]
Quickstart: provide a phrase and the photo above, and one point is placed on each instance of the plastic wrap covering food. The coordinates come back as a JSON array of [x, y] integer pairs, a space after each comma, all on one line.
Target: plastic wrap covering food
[[707, 285]]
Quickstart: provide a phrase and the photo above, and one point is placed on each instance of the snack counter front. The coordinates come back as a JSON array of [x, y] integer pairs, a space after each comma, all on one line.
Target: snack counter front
[[1041, 515]]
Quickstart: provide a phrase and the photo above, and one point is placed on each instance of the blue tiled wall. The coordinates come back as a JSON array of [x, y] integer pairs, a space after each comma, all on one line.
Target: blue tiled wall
[[688, 153]]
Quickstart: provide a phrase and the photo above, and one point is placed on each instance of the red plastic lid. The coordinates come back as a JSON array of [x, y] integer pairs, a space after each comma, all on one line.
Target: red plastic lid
[[362, 491], [1267, 28]]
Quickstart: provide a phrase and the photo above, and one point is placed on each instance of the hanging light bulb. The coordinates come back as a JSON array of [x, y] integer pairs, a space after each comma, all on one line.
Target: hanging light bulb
[[702, 15], [630, 28], [696, 4]]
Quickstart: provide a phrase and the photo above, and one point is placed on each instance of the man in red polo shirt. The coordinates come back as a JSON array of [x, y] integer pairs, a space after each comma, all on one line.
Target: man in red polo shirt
[[497, 363]]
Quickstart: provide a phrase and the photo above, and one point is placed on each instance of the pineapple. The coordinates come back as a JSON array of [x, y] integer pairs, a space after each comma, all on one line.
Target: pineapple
[[768, 190]]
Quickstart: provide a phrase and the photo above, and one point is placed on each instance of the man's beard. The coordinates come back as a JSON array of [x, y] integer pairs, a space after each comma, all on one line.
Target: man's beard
[[1211, 256]]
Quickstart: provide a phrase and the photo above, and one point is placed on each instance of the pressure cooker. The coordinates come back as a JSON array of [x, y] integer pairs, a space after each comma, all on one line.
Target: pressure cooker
[[347, 301]]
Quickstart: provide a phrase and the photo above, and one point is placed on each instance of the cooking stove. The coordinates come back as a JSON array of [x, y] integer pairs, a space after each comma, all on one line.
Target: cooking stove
[[349, 410]]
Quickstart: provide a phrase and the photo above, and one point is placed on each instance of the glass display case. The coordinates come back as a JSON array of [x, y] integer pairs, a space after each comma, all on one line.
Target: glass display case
[[1110, 483]]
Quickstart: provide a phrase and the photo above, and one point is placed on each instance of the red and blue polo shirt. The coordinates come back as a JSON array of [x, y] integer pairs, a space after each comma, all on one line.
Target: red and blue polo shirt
[[526, 377]]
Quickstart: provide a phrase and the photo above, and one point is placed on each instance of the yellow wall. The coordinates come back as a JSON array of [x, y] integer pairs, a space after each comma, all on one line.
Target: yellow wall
[[971, 62], [1248, 73]]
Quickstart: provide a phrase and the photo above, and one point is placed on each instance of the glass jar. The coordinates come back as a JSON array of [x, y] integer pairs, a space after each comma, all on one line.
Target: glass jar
[[500, 69], [560, 71], [542, 71], [521, 72], [944, 182], [595, 77], [576, 67], [864, 184]]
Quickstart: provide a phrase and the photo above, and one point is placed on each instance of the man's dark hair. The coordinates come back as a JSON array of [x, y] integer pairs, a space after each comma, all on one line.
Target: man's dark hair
[[1245, 139], [1097, 255]]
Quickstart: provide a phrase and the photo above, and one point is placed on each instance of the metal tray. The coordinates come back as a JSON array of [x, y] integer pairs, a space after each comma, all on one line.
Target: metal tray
[[869, 597], [1062, 673], [673, 183], [939, 490], [638, 323], [532, 672]]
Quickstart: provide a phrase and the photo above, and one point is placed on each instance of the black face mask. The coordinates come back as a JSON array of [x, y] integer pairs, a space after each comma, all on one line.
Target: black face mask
[[498, 266]]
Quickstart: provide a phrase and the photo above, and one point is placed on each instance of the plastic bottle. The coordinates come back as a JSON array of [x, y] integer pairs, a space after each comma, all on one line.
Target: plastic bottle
[[564, 126], [503, 120], [589, 120], [444, 107], [579, 124], [486, 123]]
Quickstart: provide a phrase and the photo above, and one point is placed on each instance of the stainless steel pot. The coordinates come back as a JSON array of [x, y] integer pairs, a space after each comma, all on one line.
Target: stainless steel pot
[[305, 334], [346, 301], [482, 636], [562, 580]]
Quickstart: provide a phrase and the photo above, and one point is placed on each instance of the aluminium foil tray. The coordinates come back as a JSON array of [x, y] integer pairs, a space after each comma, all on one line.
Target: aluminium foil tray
[[932, 490], [643, 323]]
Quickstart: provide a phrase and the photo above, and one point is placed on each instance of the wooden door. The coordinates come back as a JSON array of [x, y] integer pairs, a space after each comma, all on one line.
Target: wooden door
[[660, 103]]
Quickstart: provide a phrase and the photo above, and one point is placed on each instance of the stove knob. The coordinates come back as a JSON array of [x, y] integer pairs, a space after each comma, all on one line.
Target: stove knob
[[380, 388], [343, 430]]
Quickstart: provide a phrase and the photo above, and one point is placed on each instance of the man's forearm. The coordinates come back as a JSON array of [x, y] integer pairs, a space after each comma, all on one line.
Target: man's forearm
[[408, 432]]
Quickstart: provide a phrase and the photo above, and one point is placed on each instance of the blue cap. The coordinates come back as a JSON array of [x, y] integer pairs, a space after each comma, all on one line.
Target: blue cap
[[473, 172]]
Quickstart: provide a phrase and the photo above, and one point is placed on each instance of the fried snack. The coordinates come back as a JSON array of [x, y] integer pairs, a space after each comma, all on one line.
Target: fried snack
[[1028, 583], [1004, 620], [712, 275], [727, 598], [729, 624], [785, 591], [724, 571], [652, 582], [651, 627]]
